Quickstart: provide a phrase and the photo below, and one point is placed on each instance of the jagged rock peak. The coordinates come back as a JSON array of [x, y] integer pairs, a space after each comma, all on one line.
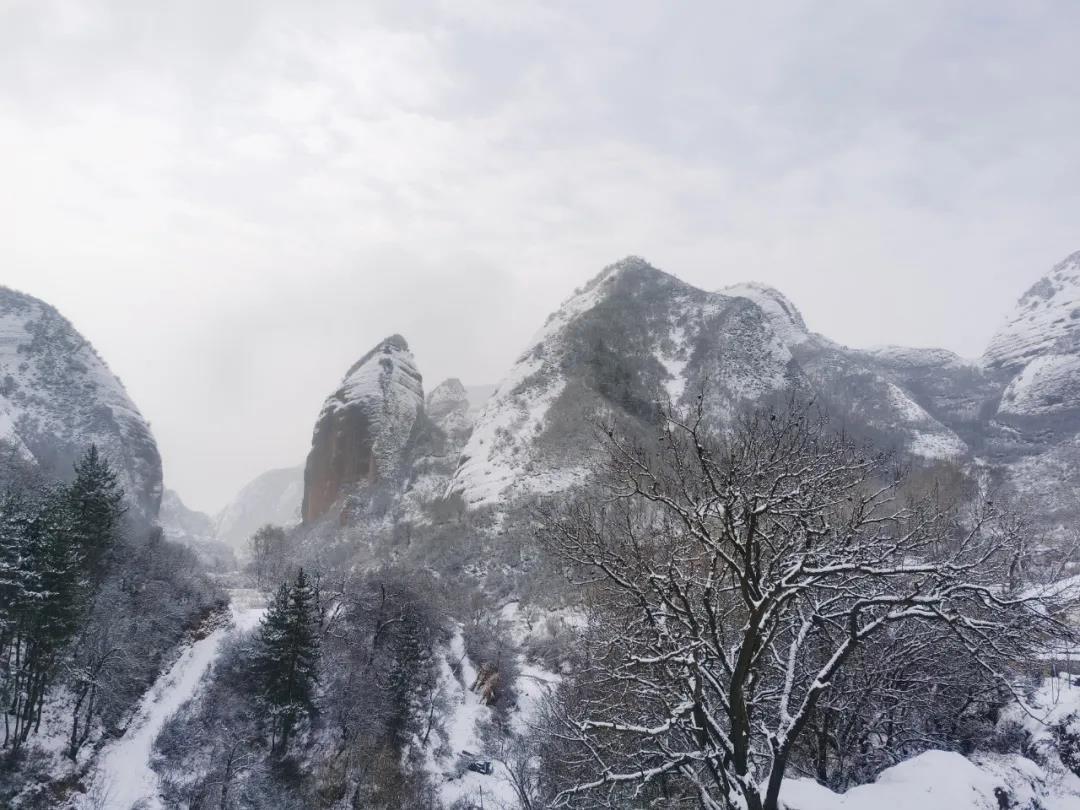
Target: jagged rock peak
[[1045, 321], [389, 363], [364, 426], [632, 335], [57, 396]]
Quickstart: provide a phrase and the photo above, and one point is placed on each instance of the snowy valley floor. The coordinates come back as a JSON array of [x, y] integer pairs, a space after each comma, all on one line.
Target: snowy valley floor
[[122, 775]]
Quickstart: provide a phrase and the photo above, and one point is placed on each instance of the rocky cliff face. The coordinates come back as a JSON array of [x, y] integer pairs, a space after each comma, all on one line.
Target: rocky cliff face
[[1037, 351], [364, 427], [1034, 359], [57, 397]]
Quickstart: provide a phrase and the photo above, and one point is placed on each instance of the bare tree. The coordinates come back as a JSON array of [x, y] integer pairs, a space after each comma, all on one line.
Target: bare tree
[[268, 549], [737, 581]]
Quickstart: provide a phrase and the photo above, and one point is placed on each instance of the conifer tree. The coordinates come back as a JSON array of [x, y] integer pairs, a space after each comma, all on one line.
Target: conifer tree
[[54, 546], [287, 656], [97, 502]]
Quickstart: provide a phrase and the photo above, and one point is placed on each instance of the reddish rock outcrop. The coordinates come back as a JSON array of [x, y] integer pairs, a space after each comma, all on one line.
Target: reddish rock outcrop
[[364, 427]]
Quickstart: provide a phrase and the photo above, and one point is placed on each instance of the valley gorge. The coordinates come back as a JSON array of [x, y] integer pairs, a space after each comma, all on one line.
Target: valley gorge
[[408, 560]]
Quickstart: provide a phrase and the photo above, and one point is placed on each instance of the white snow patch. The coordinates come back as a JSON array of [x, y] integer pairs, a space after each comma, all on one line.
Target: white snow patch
[[927, 437], [939, 780]]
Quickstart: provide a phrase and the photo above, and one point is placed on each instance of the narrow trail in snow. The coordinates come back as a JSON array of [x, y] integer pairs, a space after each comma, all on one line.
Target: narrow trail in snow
[[123, 776]]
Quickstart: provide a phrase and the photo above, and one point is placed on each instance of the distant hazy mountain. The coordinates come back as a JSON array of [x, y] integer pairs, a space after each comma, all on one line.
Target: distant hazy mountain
[[273, 497], [57, 396], [195, 530], [182, 524]]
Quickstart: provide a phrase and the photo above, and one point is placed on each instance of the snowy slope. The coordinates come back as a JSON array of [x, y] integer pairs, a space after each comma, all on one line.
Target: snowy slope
[[1046, 320], [786, 320], [57, 397], [461, 732], [493, 459]]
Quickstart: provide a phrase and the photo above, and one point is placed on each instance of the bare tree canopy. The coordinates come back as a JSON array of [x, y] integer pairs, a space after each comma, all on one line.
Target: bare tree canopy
[[737, 580]]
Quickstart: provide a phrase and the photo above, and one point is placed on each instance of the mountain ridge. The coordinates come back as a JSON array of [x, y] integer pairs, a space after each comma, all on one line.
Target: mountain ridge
[[658, 337], [57, 396]]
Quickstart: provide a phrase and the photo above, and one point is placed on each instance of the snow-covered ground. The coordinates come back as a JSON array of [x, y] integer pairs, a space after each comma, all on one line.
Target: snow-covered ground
[[463, 726], [940, 780], [944, 780], [122, 774]]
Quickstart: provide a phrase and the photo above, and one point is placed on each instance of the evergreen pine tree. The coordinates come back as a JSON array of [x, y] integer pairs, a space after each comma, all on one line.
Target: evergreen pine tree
[[54, 546], [97, 502], [287, 655], [47, 601]]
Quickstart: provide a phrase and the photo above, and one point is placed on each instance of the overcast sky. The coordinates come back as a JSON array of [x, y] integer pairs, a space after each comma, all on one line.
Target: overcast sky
[[235, 200]]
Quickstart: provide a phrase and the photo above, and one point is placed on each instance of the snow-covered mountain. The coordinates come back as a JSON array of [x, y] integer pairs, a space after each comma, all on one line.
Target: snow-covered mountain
[[273, 497], [57, 396], [635, 334]]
